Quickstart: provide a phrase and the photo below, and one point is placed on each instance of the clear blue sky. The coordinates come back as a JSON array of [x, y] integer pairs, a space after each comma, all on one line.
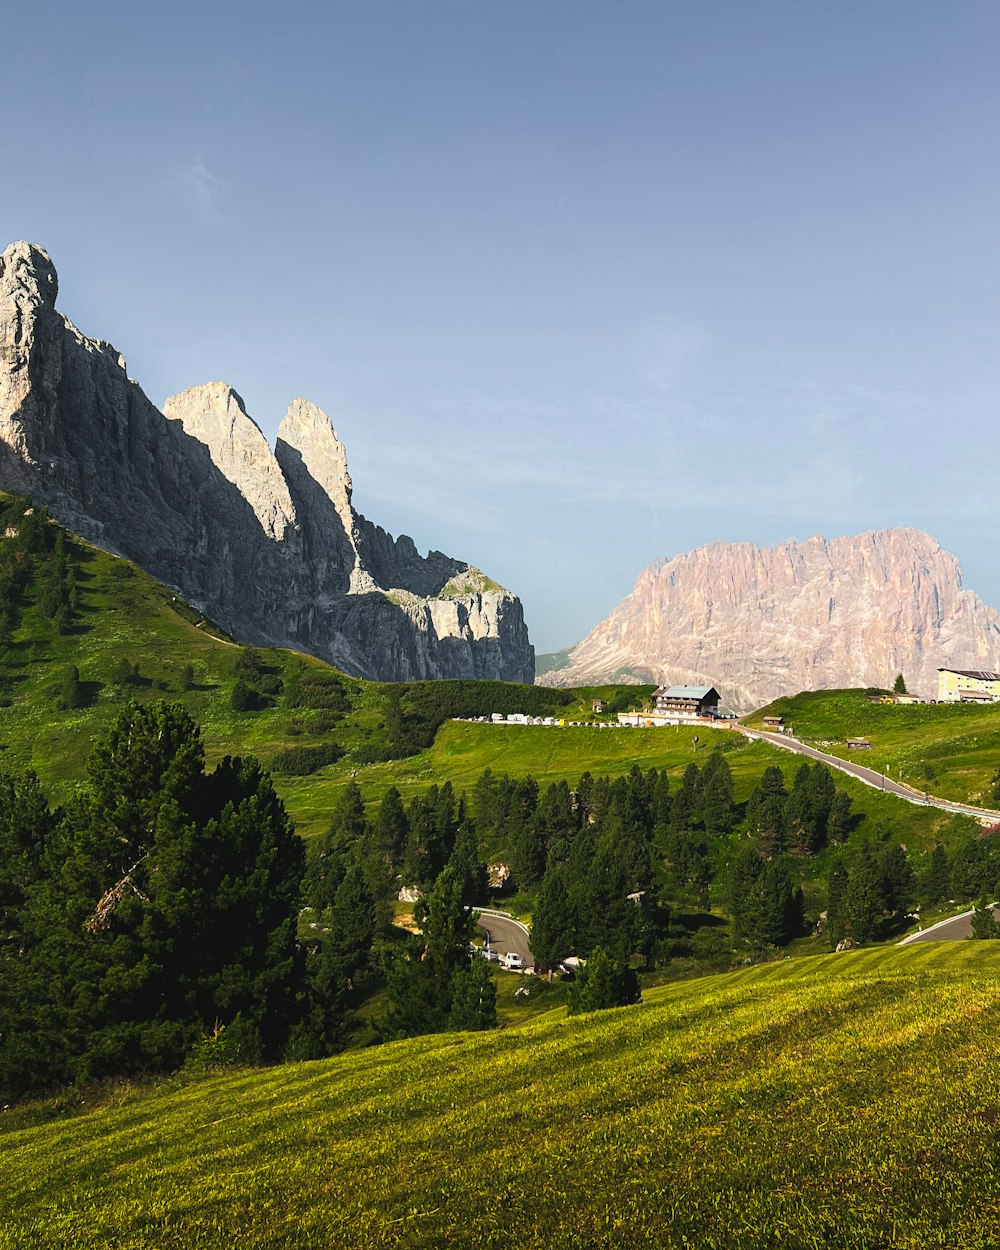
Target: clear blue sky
[[580, 284]]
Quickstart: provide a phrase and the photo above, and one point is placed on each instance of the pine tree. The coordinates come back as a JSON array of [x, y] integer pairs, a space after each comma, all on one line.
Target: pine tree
[[685, 810], [71, 692], [765, 906], [473, 998], [467, 864], [766, 811], [937, 876], [348, 823], [985, 925], [553, 924], [836, 891], [391, 827], [898, 878], [899, 685], [839, 820], [352, 923], [718, 813], [864, 901], [422, 978], [607, 917], [603, 982], [169, 901]]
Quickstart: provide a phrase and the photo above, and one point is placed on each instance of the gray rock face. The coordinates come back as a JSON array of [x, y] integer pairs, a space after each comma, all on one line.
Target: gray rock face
[[266, 543], [758, 623]]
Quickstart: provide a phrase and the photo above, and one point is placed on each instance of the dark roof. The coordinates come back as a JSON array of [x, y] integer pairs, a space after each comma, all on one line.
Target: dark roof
[[975, 673], [686, 692]]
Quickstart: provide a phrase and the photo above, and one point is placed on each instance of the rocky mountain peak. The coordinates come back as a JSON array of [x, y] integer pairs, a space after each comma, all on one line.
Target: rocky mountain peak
[[308, 433], [759, 622], [216, 416], [266, 543], [28, 269]]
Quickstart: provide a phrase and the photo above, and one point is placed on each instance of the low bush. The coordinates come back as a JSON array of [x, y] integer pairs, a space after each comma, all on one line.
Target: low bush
[[301, 761]]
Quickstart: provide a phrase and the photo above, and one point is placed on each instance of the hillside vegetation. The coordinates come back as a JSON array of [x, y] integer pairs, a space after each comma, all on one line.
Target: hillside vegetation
[[131, 638], [67, 606], [952, 750], [844, 1101]]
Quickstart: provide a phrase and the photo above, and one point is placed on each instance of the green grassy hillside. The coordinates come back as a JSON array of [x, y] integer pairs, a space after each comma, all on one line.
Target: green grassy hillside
[[122, 613], [953, 750], [846, 1101]]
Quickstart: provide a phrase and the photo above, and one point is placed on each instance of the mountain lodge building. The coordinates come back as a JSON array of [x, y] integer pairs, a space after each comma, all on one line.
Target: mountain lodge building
[[687, 701]]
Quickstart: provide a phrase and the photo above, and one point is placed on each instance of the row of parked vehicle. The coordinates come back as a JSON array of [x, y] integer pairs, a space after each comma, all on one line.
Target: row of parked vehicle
[[511, 960]]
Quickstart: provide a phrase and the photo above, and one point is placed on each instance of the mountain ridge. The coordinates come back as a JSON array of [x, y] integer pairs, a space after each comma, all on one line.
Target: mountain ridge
[[761, 622], [266, 541]]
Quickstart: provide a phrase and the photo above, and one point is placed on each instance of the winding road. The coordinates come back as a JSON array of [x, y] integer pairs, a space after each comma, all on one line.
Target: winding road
[[504, 933], [954, 929], [871, 776]]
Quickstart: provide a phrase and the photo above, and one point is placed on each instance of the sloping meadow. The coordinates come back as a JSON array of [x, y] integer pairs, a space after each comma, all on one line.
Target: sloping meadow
[[849, 1101]]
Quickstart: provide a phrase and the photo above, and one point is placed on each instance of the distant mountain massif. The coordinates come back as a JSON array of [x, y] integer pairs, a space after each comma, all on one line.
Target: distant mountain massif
[[758, 622], [265, 542]]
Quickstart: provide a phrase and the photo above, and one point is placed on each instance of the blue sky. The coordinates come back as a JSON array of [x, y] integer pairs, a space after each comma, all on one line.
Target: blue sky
[[580, 284]]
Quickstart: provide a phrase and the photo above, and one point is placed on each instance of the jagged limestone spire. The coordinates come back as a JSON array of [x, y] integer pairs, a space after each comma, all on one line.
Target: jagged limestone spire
[[215, 415]]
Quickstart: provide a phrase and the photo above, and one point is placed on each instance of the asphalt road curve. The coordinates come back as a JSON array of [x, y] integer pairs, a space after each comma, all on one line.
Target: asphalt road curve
[[956, 929], [504, 934], [870, 776]]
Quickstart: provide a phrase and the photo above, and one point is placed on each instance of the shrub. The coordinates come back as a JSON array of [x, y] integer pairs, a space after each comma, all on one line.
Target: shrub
[[373, 753], [301, 761], [312, 688], [244, 698]]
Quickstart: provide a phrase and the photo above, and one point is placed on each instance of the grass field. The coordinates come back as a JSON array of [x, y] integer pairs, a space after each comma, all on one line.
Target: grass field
[[848, 1101], [953, 750]]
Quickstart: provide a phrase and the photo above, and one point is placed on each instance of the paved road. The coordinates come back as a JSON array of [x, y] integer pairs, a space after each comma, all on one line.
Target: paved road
[[870, 776], [955, 929], [505, 934]]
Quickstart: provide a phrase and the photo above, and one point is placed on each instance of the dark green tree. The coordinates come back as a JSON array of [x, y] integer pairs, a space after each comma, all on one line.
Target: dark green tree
[[765, 906], [936, 879], [391, 828], [71, 692], [836, 891], [348, 823], [766, 811], [553, 924], [899, 685], [686, 808], [421, 978], [606, 916], [473, 998], [899, 882], [467, 864], [985, 924], [864, 900], [718, 811], [168, 904], [352, 923], [839, 820], [244, 698], [601, 983]]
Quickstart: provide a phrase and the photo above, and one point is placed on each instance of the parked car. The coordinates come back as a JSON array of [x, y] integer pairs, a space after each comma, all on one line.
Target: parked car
[[490, 954], [512, 961]]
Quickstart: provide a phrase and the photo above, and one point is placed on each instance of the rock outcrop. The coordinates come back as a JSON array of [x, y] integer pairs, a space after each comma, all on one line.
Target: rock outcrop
[[762, 622], [265, 542]]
